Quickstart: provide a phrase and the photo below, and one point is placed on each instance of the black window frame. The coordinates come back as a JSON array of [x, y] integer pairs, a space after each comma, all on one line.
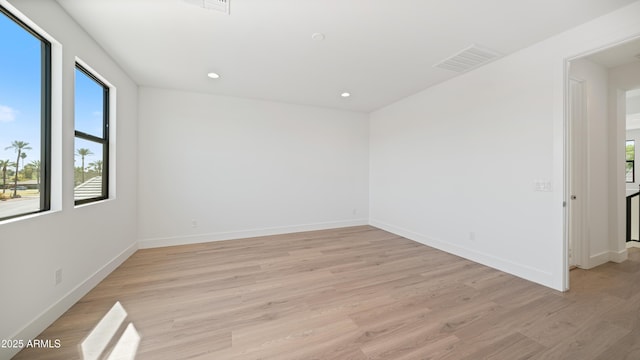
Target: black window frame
[[45, 117], [104, 140], [633, 162]]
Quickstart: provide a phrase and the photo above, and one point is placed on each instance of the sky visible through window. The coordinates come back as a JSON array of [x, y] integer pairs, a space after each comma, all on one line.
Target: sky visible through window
[[89, 103], [20, 90], [20, 96]]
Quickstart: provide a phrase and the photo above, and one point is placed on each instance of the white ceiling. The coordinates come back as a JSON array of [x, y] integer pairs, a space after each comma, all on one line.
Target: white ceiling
[[620, 55], [379, 50]]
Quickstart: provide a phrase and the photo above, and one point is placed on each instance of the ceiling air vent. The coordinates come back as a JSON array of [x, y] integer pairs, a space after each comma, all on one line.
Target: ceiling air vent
[[467, 59], [216, 5]]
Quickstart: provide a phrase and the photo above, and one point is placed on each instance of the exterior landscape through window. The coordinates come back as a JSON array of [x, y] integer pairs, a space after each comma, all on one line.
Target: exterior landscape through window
[[25, 118]]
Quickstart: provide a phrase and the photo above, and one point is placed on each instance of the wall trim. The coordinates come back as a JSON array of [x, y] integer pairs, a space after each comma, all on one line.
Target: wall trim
[[606, 256], [53, 312], [233, 235], [619, 256], [599, 259], [526, 272], [632, 244]]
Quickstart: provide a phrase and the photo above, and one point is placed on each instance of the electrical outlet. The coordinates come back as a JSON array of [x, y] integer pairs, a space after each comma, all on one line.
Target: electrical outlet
[[355, 211], [194, 223], [472, 236], [58, 276]]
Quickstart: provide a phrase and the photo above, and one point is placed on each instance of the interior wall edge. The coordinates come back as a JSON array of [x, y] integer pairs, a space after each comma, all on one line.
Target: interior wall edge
[[53, 312], [522, 271], [150, 243]]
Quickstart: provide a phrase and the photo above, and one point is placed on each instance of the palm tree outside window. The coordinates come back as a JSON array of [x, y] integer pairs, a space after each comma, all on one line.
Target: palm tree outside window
[[91, 137], [25, 118]]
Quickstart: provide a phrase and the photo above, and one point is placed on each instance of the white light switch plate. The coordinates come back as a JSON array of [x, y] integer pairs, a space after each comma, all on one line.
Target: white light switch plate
[[542, 186]]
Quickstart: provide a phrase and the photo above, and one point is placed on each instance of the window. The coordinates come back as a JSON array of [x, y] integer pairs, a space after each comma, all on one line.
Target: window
[[91, 137], [25, 118], [630, 157]]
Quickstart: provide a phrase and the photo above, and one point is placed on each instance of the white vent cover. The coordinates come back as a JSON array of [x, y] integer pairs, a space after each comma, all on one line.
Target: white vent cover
[[216, 5], [467, 59]]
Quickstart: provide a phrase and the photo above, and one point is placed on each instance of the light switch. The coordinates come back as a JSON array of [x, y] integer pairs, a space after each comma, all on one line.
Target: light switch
[[542, 186]]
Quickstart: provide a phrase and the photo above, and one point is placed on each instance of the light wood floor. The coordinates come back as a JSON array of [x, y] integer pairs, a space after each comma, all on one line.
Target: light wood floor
[[354, 293]]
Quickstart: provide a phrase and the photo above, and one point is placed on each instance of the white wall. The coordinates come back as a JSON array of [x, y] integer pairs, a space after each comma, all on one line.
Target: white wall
[[633, 104], [595, 79], [85, 242], [242, 167], [453, 166]]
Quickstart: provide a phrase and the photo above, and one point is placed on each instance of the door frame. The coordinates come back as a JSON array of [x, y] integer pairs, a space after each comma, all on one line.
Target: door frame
[[617, 218], [577, 140]]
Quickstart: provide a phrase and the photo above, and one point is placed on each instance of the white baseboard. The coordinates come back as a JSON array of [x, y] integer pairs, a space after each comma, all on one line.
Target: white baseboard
[[53, 312], [619, 256], [231, 235], [523, 271], [633, 244], [598, 259], [605, 257]]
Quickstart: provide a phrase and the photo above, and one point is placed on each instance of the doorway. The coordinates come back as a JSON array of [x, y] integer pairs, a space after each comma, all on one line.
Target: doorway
[[595, 141], [632, 172]]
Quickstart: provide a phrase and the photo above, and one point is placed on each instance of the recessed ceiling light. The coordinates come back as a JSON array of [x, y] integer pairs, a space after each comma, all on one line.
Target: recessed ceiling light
[[317, 36], [345, 94], [213, 75]]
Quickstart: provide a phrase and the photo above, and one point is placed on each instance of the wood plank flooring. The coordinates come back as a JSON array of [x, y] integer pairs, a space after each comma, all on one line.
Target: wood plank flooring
[[353, 293]]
